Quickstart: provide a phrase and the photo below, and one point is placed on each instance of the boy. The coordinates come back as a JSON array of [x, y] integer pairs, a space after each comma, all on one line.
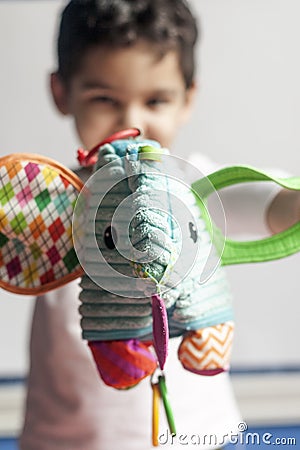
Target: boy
[[121, 63]]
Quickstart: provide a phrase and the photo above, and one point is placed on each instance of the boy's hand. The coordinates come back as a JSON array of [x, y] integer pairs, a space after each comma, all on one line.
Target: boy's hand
[[284, 211]]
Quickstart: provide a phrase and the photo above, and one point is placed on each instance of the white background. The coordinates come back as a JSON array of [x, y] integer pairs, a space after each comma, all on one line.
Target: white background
[[248, 111]]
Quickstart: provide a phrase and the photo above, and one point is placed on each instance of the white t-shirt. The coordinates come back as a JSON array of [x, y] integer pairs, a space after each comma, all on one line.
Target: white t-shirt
[[68, 405]]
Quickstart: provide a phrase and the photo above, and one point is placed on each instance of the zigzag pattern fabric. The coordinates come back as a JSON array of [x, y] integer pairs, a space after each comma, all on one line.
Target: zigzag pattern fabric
[[36, 208], [207, 351]]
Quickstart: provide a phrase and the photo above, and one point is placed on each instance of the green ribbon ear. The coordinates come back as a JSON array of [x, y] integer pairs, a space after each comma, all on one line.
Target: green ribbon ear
[[274, 247]]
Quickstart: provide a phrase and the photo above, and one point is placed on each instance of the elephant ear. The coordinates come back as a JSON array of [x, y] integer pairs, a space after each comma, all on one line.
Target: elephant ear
[[37, 199]]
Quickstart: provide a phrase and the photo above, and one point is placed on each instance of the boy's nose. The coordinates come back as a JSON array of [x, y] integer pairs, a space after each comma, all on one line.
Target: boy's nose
[[132, 116]]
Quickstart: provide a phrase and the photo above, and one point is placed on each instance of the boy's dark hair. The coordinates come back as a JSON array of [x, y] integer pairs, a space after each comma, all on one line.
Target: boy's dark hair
[[169, 24]]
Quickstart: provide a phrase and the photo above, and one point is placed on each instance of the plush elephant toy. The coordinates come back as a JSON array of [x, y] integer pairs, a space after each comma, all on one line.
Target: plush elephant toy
[[142, 241], [144, 245]]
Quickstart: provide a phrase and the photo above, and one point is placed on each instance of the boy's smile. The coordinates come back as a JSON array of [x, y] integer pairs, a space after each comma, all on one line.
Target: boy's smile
[[125, 87]]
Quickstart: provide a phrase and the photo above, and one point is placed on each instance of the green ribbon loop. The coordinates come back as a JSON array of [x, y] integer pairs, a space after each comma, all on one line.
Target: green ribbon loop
[[166, 402], [277, 246]]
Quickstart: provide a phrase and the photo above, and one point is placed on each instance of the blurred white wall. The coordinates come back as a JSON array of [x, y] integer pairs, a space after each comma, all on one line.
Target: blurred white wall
[[248, 111]]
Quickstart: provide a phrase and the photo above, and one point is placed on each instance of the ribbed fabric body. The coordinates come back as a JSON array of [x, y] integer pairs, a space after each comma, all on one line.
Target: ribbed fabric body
[[156, 232]]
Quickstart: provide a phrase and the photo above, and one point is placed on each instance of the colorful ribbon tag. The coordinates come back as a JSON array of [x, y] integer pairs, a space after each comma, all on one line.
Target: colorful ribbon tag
[[160, 329], [159, 391], [155, 414]]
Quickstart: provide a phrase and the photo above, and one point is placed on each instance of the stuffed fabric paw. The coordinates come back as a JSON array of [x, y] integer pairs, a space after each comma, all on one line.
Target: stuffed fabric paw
[[207, 351], [123, 364]]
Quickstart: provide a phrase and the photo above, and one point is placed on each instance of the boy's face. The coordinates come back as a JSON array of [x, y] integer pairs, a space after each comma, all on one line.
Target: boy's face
[[123, 88]]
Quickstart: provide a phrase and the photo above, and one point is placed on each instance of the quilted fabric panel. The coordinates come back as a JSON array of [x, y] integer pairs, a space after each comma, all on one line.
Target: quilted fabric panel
[[36, 210]]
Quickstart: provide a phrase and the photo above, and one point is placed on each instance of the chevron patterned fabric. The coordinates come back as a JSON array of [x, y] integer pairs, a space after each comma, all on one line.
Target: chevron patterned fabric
[[207, 351]]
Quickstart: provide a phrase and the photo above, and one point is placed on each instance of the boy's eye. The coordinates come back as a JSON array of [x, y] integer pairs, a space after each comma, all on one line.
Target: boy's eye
[[104, 99], [157, 102]]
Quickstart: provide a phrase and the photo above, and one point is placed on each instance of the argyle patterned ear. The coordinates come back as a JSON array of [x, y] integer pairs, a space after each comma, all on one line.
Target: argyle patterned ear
[[37, 199]]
